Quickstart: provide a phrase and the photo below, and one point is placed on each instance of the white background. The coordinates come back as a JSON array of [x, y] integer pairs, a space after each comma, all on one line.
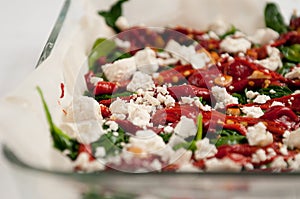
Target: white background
[[25, 28]]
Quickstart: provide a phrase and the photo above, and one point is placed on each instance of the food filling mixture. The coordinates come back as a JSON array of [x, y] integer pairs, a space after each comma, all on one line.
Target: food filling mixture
[[180, 99]]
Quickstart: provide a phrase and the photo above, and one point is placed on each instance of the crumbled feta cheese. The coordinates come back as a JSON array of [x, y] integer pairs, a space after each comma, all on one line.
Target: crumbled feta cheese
[[164, 55], [201, 106], [118, 116], [294, 74], [85, 119], [261, 99], [294, 163], [168, 129], [199, 60], [278, 163], [187, 54], [175, 139], [271, 153], [248, 166], [112, 125], [213, 35], [146, 61], [205, 149], [151, 100], [120, 70], [263, 36], [161, 98], [273, 62], [83, 161], [148, 141], [122, 23], [100, 152], [219, 27], [283, 150], [185, 127], [224, 164], [235, 45], [259, 156], [94, 80], [252, 111], [170, 101], [156, 165], [275, 103], [258, 135], [162, 90], [167, 62], [292, 139], [138, 114], [181, 157], [122, 44], [187, 100], [119, 107], [140, 81], [272, 91], [222, 97], [251, 94]]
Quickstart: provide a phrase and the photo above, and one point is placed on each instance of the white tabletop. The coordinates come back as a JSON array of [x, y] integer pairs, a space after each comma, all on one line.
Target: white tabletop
[[25, 27]]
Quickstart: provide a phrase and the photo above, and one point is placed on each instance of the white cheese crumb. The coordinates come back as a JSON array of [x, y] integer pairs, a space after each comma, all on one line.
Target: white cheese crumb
[[252, 111], [138, 114], [86, 165], [118, 106], [294, 163], [140, 81], [148, 141], [112, 125], [85, 116], [224, 164], [235, 45], [120, 70], [151, 100], [187, 54], [292, 139], [122, 23], [170, 101], [273, 62], [100, 152], [219, 27], [283, 150], [263, 36], [272, 91], [185, 127], [187, 100], [251, 94], [94, 80], [275, 103], [279, 163], [294, 74], [205, 149], [261, 99], [146, 61], [259, 156], [168, 129], [222, 97], [181, 157], [258, 135], [122, 44]]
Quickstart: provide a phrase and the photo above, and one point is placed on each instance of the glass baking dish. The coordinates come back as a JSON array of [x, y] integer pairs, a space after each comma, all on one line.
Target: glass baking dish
[[38, 182]]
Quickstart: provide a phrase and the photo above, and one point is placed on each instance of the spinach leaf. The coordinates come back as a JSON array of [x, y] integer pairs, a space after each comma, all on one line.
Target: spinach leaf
[[274, 19], [278, 91], [113, 14], [165, 136], [115, 95], [229, 137], [61, 141], [101, 48], [286, 67], [111, 143], [241, 97], [291, 53], [232, 30]]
